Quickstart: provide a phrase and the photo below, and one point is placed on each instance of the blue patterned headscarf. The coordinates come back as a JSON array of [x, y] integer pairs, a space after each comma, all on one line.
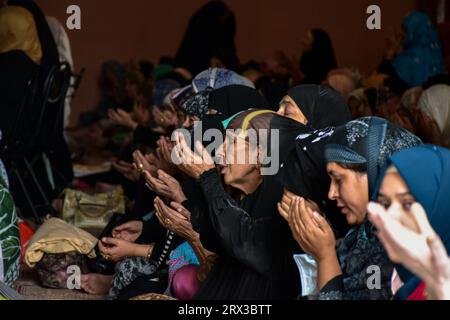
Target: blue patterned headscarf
[[370, 141], [162, 89], [217, 78], [426, 171], [422, 56], [208, 81]]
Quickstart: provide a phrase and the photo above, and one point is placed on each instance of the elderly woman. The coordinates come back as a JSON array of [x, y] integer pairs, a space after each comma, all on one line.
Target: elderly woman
[[253, 244], [316, 106], [354, 155]]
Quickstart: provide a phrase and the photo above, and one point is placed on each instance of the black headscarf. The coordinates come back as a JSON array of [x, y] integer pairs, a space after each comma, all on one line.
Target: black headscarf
[[273, 91], [16, 71], [258, 120], [233, 99], [227, 101], [322, 106], [368, 141], [316, 63], [265, 273], [304, 173], [210, 34]]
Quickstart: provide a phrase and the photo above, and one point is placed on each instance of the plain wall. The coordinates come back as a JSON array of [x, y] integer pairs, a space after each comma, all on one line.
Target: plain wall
[[137, 29]]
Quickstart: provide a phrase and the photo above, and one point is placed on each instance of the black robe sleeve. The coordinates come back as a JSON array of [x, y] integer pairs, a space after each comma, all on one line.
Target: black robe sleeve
[[333, 290], [152, 231], [144, 135], [248, 240], [202, 225], [394, 82]]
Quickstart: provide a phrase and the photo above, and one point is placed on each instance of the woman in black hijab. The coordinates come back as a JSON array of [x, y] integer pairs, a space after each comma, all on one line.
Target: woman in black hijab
[[224, 102], [304, 174], [316, 106], [254, 245], [233, 99], [210, 35], [319, 58]]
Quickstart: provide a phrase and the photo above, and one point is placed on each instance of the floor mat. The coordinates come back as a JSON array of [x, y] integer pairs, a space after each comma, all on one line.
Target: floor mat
[[35, 292], [28, 286]]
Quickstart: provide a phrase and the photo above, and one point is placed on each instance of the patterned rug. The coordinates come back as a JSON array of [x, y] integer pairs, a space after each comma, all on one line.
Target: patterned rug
[[35, 292], [28, 286]]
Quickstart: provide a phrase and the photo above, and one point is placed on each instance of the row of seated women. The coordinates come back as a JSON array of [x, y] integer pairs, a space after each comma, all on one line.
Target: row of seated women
[[211, 228], [218, 229]]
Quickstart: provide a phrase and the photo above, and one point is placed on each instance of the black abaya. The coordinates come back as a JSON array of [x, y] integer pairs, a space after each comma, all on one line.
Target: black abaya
[[253, 242], [256, 263]]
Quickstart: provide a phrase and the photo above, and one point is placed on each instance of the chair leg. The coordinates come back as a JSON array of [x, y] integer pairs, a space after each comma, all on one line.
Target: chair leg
[[39, 187], [27, 195]]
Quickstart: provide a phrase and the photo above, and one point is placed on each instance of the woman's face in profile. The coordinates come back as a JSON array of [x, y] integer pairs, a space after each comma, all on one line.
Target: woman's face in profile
[[350, 189], [239, 166], [289, 109]]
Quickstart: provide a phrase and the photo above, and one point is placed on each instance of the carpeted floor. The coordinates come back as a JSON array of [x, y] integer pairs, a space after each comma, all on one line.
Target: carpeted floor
[[28, 286]]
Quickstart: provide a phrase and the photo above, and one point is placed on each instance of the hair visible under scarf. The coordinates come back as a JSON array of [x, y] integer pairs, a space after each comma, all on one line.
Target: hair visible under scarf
[[322, 106], [18, 32], [252, 121], [370, 141]]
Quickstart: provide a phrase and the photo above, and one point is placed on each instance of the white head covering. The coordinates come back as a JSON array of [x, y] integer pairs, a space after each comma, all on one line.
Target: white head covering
[[436, 102], [65, 54]]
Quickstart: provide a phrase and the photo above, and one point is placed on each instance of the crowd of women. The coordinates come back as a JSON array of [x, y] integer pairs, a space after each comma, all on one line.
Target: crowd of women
[[356, 210]]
